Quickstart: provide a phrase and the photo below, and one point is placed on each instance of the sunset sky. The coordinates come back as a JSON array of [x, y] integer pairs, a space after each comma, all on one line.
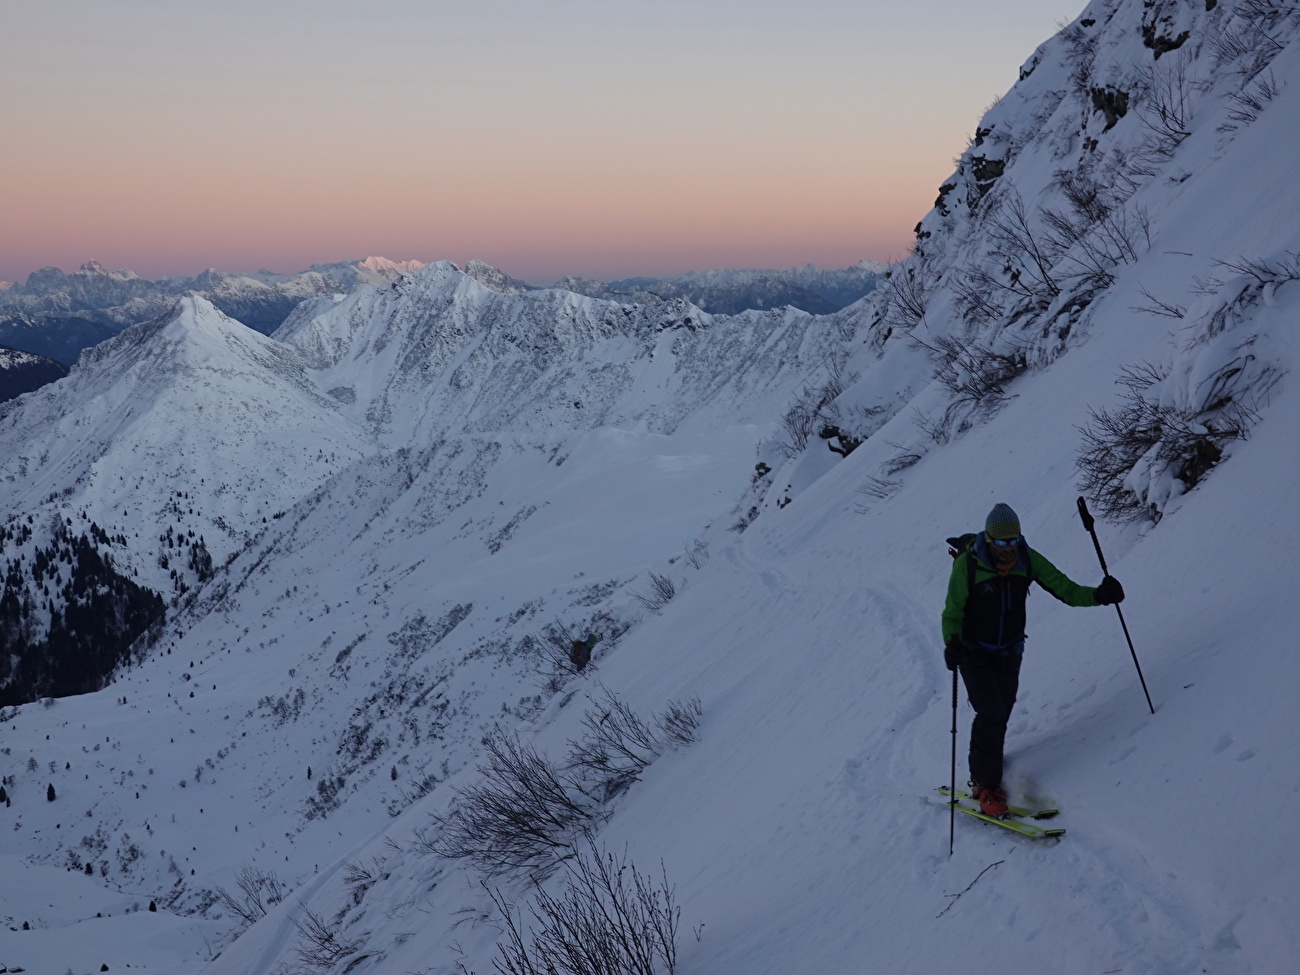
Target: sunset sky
[[602, 138]]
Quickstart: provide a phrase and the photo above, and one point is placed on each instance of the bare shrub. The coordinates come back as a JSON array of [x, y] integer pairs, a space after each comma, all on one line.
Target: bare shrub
[[875, 489], [974, 370], [799, 422], [552, 649], [697, 553], [258, 891], [1266, 271], [610, 919], [1248, 41], [617, 744], [906, 457], [1157, 306], [976, 292], [807, 412], [1164, 104], [319, 944], [679, 723], [522, 815], [359, 878], [1250, 100], [906, 293], [1118, 237], [934, 428], [661, 590], [1031, 253], [616, 747]]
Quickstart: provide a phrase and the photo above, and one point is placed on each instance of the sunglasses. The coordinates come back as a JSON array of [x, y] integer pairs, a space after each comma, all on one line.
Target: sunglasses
[[1004, 542]]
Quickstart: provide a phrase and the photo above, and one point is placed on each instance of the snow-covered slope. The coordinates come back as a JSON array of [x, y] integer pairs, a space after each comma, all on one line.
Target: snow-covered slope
[[479, 516], [316, 708], [441, 353]]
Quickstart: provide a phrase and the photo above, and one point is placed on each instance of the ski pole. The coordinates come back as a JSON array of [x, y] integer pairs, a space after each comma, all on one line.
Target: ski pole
[[952, 788], [1089, 526]]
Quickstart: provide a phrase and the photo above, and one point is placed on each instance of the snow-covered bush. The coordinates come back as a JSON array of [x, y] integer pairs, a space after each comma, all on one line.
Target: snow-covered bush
[[1177, 419], [1146, 440]]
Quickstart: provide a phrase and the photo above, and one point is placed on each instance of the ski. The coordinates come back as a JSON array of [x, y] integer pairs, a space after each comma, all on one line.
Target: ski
[[1015, 825], [1022, 812]]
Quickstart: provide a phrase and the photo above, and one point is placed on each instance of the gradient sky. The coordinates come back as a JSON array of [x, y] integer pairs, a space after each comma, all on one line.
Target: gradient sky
[[602, 138]]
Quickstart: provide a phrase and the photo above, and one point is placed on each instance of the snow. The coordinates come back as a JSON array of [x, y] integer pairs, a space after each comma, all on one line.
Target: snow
[[378, 630]]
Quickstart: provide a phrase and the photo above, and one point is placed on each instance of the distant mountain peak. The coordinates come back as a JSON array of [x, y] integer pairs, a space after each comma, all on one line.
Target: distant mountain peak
[[384, 265]]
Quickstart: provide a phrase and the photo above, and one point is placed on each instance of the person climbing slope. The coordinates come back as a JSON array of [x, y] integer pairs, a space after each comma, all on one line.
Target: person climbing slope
[[984, 633]]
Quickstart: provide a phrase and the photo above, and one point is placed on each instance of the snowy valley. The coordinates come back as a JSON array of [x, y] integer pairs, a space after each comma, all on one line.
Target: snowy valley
[[379, 530]]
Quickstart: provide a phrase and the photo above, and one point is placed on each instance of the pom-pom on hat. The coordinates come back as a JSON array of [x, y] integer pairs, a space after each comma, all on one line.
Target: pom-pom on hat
[[1002, 522]]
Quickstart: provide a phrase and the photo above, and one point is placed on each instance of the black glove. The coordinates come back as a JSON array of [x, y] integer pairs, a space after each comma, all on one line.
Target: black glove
[[1110, 591], [952, 654]]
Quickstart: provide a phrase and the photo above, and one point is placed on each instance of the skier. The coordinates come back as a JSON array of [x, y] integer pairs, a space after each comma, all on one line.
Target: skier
[[984, 634]]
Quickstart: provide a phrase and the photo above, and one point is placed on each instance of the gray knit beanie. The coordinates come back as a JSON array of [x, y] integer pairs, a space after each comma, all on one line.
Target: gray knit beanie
[[1002, 522]]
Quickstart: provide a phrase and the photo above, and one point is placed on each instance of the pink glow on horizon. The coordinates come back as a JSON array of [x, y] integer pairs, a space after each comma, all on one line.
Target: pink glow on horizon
[[594, 141]]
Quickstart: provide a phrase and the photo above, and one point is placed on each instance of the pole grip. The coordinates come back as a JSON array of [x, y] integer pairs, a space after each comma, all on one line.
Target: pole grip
[[1089, 525], [1085, 515]]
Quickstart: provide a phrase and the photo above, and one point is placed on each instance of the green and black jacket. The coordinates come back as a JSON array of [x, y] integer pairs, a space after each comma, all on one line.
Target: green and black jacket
[[987, 610]]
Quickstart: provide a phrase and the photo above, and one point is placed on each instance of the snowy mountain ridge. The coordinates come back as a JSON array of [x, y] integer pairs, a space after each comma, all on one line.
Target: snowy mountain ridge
[[730, 291], [57, 314], [312, 719]]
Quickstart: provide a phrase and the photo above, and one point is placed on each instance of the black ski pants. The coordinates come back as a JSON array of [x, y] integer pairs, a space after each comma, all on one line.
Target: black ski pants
[[992, 681]]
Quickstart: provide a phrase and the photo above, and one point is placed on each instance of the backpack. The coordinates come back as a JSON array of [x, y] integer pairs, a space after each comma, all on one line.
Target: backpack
[[961, 543]]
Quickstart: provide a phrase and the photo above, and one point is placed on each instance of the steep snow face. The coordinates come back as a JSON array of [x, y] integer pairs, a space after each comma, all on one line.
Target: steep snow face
[[1089, 190]]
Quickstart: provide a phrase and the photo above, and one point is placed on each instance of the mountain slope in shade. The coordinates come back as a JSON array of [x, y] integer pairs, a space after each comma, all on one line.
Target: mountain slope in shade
[[22, 372]]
